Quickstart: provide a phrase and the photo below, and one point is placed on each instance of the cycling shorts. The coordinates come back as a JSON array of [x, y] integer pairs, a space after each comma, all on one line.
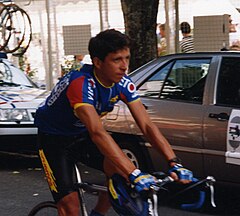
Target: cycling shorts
[[59, 154]]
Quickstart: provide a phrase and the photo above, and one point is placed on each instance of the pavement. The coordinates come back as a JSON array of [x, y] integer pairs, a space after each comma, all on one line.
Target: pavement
[[23, 185]]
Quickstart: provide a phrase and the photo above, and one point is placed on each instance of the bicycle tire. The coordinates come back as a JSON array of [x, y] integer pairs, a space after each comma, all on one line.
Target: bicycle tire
[[20, 34], [47, 208], [27, 36], [5, 27], [13, 11]]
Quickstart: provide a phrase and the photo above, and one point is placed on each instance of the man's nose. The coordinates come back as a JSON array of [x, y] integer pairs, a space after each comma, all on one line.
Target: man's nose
[[125, 64]]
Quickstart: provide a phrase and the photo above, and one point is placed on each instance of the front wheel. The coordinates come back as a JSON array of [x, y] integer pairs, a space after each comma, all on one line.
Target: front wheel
[[47, 208]]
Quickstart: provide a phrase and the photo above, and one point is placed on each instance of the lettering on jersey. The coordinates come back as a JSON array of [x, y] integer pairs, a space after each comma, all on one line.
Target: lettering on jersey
[[131, 87], [58, 89], [127, 83], [124, 82], [98, 105], [48, 172], [135, 94], [91, 86]]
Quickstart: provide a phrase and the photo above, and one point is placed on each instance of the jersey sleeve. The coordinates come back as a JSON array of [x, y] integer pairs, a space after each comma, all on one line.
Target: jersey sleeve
[[80, 92], [128, 90]]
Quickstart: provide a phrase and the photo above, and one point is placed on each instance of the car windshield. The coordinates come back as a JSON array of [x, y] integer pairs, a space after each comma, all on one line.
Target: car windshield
[[141, 71], [12, 76]]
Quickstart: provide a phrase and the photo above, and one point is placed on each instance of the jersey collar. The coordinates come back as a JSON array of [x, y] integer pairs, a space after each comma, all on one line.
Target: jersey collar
[[95, 75]]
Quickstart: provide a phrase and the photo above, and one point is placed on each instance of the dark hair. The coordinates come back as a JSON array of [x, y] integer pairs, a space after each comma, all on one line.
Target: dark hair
[[185, 27], [106, 42], [162, 26]]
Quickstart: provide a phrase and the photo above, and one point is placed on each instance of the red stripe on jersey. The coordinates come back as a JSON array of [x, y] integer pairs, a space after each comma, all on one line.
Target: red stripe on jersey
[[75, 92], [123, 97]]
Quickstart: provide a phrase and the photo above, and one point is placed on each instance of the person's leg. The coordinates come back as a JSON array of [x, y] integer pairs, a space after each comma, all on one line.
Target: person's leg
[[69, 205], [102, 206], [92, 157], [103, 203], [58, 167]]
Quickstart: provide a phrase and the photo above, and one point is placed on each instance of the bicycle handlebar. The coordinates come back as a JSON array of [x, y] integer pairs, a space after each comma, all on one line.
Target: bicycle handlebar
[[202, 194], [208, 182]]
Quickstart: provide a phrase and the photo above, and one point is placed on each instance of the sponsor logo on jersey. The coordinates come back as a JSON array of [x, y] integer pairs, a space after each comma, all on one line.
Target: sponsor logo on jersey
[[114, 99], [135, 94], [92, 82], [91, 86], [129, 85], [58, 89]]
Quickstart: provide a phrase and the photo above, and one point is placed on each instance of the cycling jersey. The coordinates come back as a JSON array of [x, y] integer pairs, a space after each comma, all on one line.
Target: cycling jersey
[[80, 88]]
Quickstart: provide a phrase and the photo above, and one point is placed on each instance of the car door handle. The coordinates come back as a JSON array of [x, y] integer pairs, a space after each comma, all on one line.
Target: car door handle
[[219, 116]]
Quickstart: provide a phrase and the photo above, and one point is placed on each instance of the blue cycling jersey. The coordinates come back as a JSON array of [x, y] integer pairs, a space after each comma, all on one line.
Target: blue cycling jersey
[[77, 88]]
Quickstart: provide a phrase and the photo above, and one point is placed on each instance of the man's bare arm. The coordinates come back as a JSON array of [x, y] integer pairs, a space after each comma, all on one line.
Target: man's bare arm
[[105, 143], [150, 130]]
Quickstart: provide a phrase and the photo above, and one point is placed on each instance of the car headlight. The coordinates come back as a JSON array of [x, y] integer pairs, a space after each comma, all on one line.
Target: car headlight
[[14, 115]]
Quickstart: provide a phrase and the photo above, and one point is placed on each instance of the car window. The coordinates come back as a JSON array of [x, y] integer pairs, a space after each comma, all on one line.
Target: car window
[[152, 86], [186, 80], [228, 90], [11, 75]]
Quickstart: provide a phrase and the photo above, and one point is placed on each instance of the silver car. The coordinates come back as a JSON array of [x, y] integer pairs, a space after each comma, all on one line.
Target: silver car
[[19, 98], [194, 99]]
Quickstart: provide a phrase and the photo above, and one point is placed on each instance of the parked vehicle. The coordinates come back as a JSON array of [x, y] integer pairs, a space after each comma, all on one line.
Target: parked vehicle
[[19, 98], [194, 99]]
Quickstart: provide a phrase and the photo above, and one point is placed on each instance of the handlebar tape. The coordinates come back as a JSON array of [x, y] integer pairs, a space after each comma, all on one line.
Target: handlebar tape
[[199, 203], [196, 205]]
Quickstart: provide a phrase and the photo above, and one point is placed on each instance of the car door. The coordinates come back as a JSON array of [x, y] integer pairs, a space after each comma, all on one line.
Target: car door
[[173, 97], [222, 123]]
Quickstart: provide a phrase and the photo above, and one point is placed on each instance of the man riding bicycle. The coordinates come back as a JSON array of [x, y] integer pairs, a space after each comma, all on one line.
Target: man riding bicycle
[[69, 124]]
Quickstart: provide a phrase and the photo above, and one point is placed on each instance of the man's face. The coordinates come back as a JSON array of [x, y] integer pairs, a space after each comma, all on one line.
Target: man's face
[[114, 67]]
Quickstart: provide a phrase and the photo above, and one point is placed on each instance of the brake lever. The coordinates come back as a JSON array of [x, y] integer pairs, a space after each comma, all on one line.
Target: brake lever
[[209, 183]]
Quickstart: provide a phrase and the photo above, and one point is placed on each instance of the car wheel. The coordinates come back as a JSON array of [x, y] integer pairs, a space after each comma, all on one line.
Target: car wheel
[[135, 154]]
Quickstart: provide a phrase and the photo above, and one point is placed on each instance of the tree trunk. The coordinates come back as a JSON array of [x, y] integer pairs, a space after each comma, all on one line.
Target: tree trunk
[[140, 18]]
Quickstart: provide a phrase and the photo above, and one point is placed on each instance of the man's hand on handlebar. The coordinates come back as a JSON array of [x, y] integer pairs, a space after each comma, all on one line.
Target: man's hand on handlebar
[[181, 174], [141, 181]]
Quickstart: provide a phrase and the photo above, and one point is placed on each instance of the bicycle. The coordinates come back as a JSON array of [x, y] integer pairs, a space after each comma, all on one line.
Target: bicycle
[[49, 208], [15, 29]]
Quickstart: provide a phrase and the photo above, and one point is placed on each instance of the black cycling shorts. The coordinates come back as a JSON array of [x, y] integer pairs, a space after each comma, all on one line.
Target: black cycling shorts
[[59, 155]]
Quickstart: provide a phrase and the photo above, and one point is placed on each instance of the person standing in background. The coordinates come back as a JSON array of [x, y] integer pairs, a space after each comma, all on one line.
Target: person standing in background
[[187, 43], [77, 64], [162, 43]]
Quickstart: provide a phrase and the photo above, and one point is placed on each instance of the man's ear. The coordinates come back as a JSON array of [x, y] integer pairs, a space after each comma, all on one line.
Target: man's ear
[[97, 62]]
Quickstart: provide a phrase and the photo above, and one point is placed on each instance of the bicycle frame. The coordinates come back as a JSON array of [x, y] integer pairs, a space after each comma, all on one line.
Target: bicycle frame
[[153, 196], [153, 200], [81, 195]]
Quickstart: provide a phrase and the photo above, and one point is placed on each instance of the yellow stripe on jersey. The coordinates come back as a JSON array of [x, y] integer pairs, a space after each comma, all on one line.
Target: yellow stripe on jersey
[[81, 104], [134, 101]]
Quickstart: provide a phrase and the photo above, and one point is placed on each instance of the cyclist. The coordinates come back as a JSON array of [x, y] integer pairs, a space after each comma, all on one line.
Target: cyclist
[[69, 124]]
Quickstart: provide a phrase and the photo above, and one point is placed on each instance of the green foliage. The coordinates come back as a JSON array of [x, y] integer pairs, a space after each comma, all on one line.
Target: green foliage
[[69, 63]]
